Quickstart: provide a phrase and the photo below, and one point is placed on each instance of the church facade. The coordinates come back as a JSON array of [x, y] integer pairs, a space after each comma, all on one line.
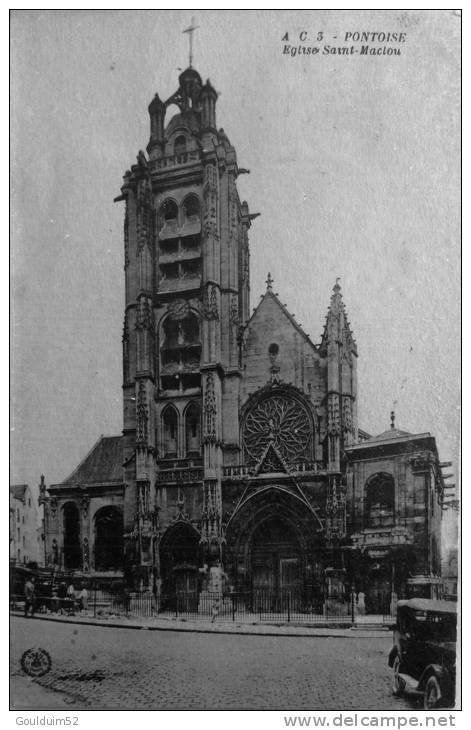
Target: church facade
[[241, 455]]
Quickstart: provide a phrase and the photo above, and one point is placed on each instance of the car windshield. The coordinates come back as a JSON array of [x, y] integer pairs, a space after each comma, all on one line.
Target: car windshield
[[428, 626]]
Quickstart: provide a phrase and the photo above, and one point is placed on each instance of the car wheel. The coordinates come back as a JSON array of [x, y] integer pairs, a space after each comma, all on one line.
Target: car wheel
[[432, 694], [398, 682], [36, 662]]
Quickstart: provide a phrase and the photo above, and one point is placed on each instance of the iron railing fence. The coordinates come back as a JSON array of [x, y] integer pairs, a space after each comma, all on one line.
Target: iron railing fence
[[253, 606], [241, 607]]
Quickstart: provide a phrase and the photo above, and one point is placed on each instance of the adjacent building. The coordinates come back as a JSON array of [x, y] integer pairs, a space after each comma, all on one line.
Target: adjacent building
[[25, 537], [395, 502], [241, 458]]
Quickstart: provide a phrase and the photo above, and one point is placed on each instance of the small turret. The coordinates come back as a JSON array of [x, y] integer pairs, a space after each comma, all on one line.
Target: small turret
[[157, 120], [208, 103], [339, 349]]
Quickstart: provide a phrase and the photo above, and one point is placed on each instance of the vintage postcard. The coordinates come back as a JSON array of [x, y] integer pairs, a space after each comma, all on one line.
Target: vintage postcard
[[235, 360]]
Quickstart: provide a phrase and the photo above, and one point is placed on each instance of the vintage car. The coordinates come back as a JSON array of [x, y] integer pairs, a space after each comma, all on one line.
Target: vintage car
[[423, 657]]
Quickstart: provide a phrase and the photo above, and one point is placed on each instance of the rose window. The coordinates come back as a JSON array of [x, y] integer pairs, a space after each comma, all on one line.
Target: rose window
[[282, 421]]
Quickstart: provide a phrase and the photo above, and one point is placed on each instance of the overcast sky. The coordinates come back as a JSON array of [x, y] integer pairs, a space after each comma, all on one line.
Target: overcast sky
[[354, 168]]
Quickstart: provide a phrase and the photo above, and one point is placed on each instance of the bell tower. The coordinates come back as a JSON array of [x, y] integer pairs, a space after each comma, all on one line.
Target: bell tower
[[187, 298]]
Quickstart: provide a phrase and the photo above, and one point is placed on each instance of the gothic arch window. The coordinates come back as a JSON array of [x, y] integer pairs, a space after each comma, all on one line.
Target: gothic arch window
[[109, 528], [169, 211], [281, 419], [179, 147], [193, 429], [170, 432], [181, 349], [191, 208], [379, 501], [71, 532]]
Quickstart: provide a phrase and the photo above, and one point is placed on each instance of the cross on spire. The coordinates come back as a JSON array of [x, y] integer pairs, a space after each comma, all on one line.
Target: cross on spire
[[190, 30], [269, 281]]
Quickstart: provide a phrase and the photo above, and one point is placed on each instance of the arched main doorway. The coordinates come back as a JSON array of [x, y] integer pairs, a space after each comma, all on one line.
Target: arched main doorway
[[274, 547], [109, 539], [179, 561], [275, 557], [71, 524]]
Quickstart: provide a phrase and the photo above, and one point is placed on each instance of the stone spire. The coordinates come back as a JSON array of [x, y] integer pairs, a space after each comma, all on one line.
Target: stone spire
[[337, 327], [339, 349]]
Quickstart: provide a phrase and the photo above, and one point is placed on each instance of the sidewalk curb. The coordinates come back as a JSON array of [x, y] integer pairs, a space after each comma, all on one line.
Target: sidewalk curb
[[353, 633]]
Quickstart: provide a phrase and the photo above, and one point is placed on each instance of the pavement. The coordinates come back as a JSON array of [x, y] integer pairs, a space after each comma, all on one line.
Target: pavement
[[205, 626], [101, 666], [27, 694]]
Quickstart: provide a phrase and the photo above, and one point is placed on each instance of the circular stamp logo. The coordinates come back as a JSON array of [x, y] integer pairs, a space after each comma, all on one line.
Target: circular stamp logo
[[36, 662]]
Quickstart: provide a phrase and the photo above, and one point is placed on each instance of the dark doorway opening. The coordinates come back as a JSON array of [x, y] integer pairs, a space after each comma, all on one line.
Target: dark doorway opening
[[275, 557], [179, 564], [72, 551], [109, 539]]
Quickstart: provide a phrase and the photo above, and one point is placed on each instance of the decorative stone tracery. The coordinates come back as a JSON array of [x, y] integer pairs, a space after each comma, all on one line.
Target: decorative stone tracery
[[333, 414], [233, 198], [210, 227], [144, 214], [178, 310], [145, 314], [212, 534], [335, 511], [142, 416], [234, 310], [210, 303], [280, 419], [125, 340], [209, 410]]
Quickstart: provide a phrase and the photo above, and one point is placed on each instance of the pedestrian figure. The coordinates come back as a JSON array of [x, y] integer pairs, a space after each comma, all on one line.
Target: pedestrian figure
[[55, 553], [215, 609], [83, 599], [71, 598], [29, 597], [361, 603]]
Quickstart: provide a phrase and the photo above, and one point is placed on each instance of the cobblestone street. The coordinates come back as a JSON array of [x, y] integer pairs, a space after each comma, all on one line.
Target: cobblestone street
[[113, 668]]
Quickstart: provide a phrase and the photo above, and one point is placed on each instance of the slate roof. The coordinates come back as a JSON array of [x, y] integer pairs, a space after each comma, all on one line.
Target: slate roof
[[18, 491], [270, 293], [103, 464], [391, 437], [391, 433]]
